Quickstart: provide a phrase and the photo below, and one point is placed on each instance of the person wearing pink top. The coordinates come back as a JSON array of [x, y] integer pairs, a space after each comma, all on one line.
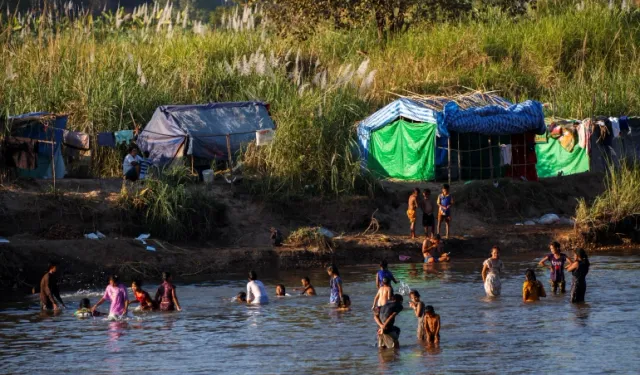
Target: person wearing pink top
[[117, 295]]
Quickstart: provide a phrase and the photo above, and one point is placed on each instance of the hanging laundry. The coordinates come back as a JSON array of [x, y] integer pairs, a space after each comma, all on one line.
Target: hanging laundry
[[505, 155], [568, 139], [624, 125], [106, 140], [21, 152], [615, 126], [76, 140], [123, 136], [584, 134]]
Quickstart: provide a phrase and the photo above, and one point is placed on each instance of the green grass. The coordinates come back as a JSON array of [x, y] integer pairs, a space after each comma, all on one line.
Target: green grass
[[107, 77], [172, 208], [619, 201]]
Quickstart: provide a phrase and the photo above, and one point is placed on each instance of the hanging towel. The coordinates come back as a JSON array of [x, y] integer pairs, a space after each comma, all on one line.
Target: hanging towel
[[123, 136], [106, 140], [77, 140], [615, 126], [583, 134], [505, 155]]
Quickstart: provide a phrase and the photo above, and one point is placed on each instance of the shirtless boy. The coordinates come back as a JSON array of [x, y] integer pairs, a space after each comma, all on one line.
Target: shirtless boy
[[384, 294], [428, 222], [412, 210], [432, 325]]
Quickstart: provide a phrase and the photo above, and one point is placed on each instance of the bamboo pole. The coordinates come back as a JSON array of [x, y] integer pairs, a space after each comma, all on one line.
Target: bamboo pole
[[229, 152], [449, 155], [459, 160]]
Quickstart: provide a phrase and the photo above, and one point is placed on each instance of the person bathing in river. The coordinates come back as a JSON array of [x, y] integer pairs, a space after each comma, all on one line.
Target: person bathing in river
[[384, 272], [335, 285], [418, 309], [433, 250], [491, 270], [345, 303], [412, 210], [84, 310], [557, 262], [256, 292], [141, 297], [431, 325], [116, 294], [241, 297], [428, 221], [307, 288], [445, 201], [166, 297], [280, 291], [388, 333], [384, 294], [49, 292], [532, 289], [579, 269]]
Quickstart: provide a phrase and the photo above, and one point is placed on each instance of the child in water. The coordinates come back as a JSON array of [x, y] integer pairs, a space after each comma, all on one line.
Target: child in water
[[84, 310], [532, 289], [384, 272], [345, 303], [241, 297], [432, 325], [280, 291], [419, 309], [142, 297], [384, 294]]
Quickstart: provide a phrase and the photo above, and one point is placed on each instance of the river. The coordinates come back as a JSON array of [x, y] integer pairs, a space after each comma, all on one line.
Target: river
[[302, 335]]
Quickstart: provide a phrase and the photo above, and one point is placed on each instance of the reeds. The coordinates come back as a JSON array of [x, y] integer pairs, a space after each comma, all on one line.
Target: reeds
[[111, 71]]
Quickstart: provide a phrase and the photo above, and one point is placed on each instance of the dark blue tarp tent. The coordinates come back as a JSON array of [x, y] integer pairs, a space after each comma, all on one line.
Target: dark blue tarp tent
[[201, 130], [48, 129]]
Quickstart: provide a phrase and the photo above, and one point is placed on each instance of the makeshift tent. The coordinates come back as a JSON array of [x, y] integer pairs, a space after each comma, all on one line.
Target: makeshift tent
[[207, 131], [47, 129], [456, 137], [398, 141]]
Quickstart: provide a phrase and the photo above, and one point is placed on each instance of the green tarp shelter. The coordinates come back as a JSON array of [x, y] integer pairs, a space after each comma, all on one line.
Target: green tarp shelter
[[553, 159], [403, 150]]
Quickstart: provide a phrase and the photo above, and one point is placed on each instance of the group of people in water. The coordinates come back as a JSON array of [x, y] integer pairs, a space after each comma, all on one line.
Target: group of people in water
[[115, 293]]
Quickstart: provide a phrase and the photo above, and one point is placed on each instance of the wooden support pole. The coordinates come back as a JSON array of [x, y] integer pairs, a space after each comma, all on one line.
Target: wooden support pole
[[192, 172], [449, 156], [229, 152], [459, 160], [491, 157]]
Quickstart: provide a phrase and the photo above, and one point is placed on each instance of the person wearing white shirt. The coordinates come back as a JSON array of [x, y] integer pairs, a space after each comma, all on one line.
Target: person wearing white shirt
[[131, 165], [256, 292]]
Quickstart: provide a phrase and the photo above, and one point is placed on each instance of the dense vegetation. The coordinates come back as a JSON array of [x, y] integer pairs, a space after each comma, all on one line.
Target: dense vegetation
[[112, 70]]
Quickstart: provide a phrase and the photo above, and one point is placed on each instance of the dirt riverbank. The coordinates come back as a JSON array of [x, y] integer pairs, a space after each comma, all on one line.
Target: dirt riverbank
[[42, 225]]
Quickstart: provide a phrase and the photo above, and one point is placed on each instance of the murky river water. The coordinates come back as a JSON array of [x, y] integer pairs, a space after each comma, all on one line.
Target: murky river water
[[302, 335]]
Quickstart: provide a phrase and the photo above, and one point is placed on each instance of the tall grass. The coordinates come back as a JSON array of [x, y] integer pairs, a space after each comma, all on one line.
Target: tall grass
[[172, 208], [619, 201], [111, 71]]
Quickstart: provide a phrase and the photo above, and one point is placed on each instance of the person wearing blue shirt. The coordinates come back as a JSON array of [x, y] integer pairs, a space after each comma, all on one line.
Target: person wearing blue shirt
[[384, 272]]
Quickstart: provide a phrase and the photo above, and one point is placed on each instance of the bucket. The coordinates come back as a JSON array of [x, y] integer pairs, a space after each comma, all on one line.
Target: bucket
[[207, 176]]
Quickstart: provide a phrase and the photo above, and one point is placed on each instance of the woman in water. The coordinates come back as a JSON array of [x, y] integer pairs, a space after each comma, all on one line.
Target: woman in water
[[335, 285], [418, 308], [532, 289], [142, 297], [556, 260], [491, 270], [579, 269], [166, 296], [345, 303], [115, 293], [384, 272], [256, 292], [280, 291]]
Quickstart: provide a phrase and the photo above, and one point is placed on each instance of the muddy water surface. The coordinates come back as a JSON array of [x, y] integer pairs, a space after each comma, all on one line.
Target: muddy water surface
[[302, 335]]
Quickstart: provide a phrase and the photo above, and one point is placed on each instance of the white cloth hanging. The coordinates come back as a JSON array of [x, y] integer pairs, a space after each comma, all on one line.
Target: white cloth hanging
[[615, 126], [505, 155]]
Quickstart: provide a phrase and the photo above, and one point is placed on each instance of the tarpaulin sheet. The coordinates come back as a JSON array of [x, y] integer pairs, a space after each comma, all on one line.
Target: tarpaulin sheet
[[202, 129], [553, 158], [495, 120], [403, 150]]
